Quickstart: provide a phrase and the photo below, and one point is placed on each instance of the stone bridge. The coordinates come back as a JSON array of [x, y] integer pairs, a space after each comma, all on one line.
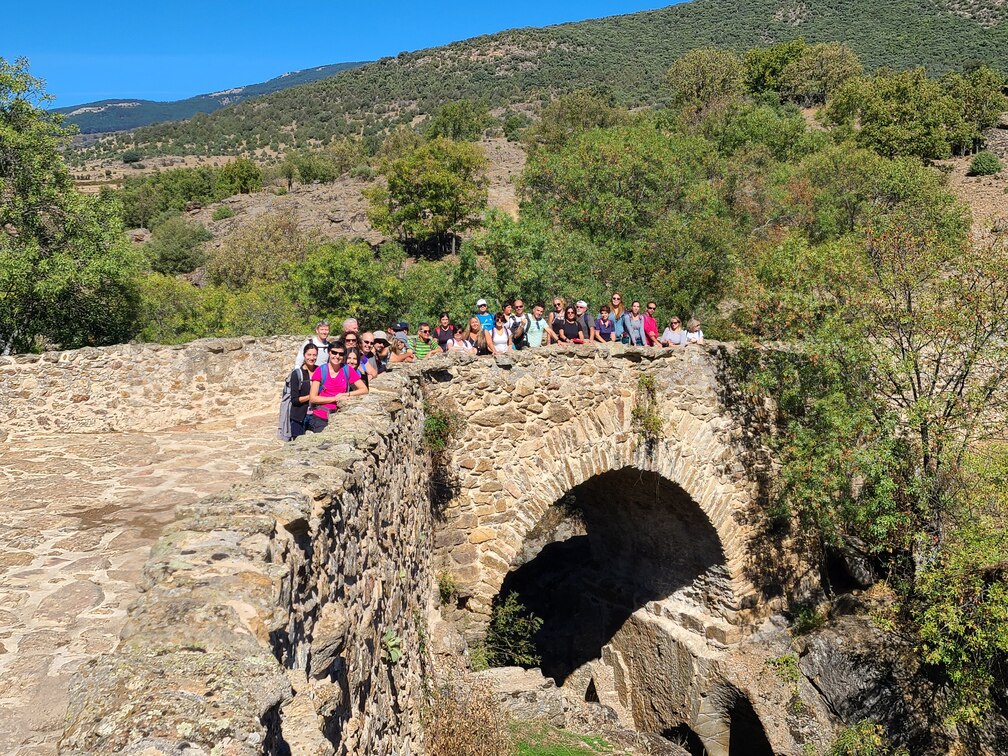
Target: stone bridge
[[616, 490]]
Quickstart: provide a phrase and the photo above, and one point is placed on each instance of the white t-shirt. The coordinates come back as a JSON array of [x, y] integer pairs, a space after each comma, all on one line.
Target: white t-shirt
[[500, 340], [679, 338], [692, 337]]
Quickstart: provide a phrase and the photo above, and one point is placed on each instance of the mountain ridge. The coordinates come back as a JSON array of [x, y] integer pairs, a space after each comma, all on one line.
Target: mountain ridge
[[124, 113]]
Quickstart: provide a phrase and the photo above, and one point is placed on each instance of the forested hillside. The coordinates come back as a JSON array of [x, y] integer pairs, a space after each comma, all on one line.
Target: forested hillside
[[624, 56], [118, 115]]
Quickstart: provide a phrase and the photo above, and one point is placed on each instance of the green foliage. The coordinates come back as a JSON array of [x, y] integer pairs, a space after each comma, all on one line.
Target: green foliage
[[222, 213], [542, 739], [132, 156], [509, 639], [644, 415], [961, 609], [325, 165], [818, 72], [435, 189], [259, 251], [863, 739], [447, 587], [460, 121], [177, 246], [391, 647], [348, 278], [906, 113], [440, 427], [984, 164], [765, 65], [67, 272], [570, 115], [240, 176], [807, 620], [144, 198], [705, 78]]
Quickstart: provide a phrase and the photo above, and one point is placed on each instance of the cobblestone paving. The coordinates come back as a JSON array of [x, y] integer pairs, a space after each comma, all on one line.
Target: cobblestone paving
[[78, 515]]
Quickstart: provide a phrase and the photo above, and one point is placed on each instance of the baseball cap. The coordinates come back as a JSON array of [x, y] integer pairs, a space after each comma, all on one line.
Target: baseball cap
[[401, 326], [480, 302]]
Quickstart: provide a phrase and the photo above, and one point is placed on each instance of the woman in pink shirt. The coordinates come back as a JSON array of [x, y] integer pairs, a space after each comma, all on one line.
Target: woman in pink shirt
[[329, 384]]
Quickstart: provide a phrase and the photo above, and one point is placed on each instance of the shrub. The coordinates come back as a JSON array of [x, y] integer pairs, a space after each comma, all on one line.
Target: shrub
[[447, 587], [177, 246], [440, 426], [509, 636], [862, 739], [985, 163], [461, 717], [259, 251], [132, 156], [223, 212]]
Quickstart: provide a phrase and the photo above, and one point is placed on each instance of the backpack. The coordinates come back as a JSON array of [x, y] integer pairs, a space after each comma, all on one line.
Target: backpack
[[283, 421], [325, 374]]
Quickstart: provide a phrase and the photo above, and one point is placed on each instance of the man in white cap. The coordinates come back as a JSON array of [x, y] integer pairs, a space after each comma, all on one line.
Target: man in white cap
[[486, 318], [585, 321]]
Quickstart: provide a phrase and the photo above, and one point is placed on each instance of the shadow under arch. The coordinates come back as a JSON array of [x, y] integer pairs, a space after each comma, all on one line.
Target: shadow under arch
[[613, 544]]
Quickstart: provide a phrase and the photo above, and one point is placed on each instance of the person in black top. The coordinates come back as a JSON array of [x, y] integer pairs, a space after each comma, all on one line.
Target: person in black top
[[444, 332], [568, 329], [300, 383]]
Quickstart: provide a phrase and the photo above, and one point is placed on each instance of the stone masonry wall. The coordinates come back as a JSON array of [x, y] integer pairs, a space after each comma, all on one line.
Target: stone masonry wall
[[142, 386], [541, 423], [273, 616]]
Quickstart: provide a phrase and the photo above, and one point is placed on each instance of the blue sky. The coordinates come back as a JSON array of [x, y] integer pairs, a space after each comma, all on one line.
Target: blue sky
[[171, 50]]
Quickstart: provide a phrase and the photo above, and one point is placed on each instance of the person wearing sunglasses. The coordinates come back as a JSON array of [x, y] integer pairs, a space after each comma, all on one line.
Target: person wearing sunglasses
[[557, 313], [674, 335], [368, 356], [616, 313], [331, 383], [651, 324], [422, 344]]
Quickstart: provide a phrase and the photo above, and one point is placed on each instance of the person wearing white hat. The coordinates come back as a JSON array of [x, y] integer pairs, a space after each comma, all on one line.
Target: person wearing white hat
[[584, 320], [486, 318]]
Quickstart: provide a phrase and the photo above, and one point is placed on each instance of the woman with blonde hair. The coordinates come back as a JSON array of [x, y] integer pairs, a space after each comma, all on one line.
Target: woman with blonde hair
[[559, 305], [693, 333], [478, 337]]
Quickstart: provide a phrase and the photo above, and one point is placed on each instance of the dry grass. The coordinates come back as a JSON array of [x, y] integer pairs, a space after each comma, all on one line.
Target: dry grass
[[462, 718]]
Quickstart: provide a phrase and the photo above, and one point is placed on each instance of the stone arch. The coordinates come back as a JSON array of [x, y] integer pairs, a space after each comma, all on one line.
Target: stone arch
[[542, 450]]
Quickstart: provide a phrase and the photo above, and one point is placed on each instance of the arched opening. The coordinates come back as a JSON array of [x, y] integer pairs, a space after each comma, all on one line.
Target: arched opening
[[610, 546]]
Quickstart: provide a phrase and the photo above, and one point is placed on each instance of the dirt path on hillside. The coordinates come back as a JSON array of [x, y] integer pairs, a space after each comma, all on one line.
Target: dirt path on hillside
[[80, 514]]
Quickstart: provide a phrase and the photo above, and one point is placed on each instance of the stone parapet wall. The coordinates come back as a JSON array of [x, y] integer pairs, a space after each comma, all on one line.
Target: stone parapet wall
[[142, 386], [287, 615]]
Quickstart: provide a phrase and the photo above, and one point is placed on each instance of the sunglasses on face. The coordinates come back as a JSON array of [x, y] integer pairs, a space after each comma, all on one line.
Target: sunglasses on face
[[341, 355], [366, 342]]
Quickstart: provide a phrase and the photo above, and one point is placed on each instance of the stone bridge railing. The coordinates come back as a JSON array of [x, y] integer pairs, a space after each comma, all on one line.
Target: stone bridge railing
[[290, 612], [142, 386]]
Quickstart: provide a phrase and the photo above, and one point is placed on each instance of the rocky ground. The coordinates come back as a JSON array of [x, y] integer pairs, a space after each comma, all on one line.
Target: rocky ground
[[81, 512]]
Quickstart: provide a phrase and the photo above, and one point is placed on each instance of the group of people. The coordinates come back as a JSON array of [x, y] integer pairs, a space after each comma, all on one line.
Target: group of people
[[327, 371]]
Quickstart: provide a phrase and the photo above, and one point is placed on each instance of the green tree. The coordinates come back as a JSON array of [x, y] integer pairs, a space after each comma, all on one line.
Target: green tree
[[979, 95], [351, 279], [259, 251], [460, 121], [899, 113], [764, 65], [705, 78], [240, 176], [818, 71], [572, 114], [177, 246], [67, 272], [436, 189]]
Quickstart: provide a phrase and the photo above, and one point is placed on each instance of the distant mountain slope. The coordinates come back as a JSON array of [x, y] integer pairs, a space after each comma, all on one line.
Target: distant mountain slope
[[118, 115], [626, 55]]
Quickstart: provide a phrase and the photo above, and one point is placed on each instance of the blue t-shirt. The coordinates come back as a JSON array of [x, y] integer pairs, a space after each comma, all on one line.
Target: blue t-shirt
[[605, 328], [486, 320]]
